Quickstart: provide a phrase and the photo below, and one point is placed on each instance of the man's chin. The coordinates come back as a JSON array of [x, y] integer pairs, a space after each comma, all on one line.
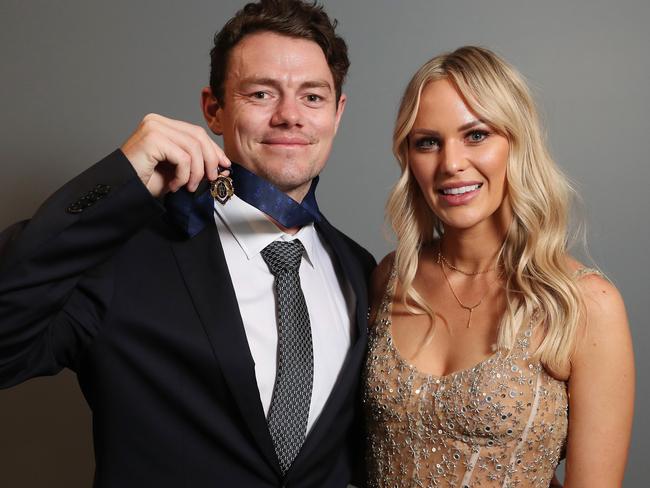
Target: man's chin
[[296, 190], [289, 175]]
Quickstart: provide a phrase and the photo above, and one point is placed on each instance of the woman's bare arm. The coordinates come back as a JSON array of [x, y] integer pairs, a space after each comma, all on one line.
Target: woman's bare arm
[[601, 391]]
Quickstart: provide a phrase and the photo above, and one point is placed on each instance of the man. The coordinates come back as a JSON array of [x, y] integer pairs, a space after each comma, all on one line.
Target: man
[[207, 357]]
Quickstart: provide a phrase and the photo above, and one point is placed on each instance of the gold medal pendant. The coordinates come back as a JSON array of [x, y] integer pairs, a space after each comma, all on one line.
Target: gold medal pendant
[[222, 189]]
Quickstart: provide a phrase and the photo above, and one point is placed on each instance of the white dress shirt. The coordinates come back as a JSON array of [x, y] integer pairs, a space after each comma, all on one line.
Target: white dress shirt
[[244, 231]]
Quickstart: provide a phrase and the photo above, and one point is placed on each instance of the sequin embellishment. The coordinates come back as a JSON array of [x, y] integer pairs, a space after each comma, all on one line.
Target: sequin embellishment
[[500, 423]]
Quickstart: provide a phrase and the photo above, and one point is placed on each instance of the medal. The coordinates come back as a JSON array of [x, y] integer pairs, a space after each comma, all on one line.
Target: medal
[[222, 189], [193, 211]]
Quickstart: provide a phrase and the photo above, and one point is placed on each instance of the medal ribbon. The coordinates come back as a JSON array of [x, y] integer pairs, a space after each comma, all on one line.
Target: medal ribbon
[[193, 211]]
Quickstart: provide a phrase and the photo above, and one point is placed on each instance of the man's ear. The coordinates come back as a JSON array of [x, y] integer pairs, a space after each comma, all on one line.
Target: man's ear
[[211, 110], [339, 111]]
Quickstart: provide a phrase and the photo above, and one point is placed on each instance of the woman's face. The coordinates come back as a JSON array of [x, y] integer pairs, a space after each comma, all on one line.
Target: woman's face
[[458, 161]]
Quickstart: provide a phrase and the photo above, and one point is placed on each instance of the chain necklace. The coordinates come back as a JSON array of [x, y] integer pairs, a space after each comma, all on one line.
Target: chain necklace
[[442, 262], [442, 258]]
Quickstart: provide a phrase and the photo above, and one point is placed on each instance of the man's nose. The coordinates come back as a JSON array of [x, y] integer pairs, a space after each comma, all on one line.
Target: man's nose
[[287, 113]]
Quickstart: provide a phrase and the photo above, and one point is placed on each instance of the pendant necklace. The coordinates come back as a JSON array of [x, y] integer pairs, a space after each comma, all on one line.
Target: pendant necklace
[[443, 262]]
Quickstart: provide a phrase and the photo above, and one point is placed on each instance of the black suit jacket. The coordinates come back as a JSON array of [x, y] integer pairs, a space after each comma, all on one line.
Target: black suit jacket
[[99, 282]]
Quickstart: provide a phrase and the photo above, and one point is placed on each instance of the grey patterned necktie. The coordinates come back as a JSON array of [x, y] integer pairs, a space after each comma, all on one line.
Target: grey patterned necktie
[[289, 409]]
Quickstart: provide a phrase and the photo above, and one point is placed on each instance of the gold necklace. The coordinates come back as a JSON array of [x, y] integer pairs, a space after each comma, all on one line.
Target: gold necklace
[[442, 258], [442, 261]]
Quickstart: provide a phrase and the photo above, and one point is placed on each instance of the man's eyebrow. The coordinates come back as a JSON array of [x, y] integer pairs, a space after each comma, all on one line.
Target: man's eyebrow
[[316, 84], [276, 84], [260, 81]]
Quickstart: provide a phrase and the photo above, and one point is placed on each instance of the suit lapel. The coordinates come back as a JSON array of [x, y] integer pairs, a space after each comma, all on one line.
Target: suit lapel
[[349, 266], [214, 298], [349, 377]]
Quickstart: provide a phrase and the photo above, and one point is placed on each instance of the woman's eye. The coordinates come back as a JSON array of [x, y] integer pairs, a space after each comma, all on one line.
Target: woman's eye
[[477, 135], [426, 143]]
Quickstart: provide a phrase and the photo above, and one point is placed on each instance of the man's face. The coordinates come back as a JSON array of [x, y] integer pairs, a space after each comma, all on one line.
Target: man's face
[[279, 115]]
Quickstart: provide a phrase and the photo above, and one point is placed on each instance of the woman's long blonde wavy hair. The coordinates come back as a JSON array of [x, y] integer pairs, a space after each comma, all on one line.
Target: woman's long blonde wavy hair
[[539, 285]]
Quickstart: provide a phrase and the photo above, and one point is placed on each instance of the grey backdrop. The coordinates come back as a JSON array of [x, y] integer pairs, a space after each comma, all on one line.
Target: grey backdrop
[[78, 75]]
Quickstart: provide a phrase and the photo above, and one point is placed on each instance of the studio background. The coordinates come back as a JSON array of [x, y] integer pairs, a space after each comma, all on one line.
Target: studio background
[[78, 75]]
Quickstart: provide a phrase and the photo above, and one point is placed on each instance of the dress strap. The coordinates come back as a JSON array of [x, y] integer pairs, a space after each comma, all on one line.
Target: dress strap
[[389, 292], [386, 299], [584, 271]]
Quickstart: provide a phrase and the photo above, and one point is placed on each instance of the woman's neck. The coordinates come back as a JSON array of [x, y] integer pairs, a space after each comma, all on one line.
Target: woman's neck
[[472, 250]]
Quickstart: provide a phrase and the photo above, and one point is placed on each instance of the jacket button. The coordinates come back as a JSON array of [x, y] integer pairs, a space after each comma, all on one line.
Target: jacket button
[[102, 189], [84, 202]]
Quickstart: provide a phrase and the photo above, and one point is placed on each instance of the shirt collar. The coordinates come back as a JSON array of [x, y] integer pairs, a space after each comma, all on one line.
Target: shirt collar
[[253, 230]]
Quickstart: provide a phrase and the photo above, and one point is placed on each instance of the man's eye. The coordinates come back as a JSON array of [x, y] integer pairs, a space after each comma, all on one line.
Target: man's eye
[[260, 95], [477, 135], [314, 98]]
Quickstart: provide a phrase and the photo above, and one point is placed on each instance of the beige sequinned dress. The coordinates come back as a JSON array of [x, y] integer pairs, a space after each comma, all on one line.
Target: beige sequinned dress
[[501, 423]]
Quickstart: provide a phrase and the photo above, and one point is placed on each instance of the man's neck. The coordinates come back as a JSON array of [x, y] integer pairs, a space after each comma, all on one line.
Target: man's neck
[[287, 230]]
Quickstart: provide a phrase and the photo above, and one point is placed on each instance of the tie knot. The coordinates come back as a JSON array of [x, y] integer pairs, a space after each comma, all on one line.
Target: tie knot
[[283, 255]]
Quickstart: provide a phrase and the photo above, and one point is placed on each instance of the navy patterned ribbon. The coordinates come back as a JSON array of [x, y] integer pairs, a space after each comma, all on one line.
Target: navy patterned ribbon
[[193, 211]]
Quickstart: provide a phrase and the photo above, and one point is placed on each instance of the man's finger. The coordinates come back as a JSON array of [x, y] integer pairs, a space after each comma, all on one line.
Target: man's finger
[[213, 155], [180, 159], [194, 148]]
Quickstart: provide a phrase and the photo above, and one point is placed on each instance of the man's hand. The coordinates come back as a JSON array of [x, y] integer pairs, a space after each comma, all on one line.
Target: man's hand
[[168, 154]]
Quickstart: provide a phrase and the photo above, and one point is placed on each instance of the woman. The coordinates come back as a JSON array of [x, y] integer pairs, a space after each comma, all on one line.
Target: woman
[[493, 353]]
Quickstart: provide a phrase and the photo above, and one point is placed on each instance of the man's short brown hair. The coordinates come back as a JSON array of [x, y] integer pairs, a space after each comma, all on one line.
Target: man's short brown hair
[[293, 18]]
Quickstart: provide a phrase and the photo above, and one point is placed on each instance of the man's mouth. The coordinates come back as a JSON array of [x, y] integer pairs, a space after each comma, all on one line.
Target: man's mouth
[[286, 141]]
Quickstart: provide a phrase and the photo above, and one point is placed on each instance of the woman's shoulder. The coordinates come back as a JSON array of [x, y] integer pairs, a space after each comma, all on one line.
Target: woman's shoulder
[[378, 285], [595, 287], [605, 315], [381, 274]]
